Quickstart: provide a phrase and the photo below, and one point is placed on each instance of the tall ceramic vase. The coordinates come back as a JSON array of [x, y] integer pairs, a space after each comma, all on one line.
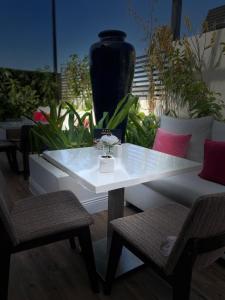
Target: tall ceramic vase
[[112, 63]]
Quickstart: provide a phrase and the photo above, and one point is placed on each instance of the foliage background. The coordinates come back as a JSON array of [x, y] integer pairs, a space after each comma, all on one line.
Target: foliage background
[[21, 92], [79, 131], [180, 66], [78, 83]]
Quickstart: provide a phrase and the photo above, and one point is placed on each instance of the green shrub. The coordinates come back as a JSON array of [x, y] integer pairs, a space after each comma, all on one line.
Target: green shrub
[[77, 75], [21, 92], [180, 68], [141, 129], [78, 133]]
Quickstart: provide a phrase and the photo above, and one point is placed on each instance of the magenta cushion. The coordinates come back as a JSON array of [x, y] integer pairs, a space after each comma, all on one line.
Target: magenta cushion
[[171, 143], [38, 116], [214, 162]]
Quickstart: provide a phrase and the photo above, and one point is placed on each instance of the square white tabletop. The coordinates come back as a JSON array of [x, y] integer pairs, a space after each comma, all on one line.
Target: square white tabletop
[[136, 165]]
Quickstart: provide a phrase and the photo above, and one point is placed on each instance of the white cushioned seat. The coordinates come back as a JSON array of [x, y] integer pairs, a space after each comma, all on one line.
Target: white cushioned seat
[[185, 188], [143, 197]]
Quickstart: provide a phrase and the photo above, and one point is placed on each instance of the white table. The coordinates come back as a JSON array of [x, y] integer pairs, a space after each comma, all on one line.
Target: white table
[[136, 165]]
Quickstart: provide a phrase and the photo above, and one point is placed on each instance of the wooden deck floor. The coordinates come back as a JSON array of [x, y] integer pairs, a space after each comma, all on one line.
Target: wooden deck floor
[[55, 272]]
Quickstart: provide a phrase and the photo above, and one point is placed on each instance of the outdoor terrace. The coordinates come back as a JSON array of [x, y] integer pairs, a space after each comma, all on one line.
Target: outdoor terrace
[[57, 272]]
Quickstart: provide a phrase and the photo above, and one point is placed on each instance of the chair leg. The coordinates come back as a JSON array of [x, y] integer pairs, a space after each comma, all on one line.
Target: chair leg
[[26, 168], [14, 161], [72, 243], [113, 260], [87, 251], [9, 158], [4, 275], [182, 283]]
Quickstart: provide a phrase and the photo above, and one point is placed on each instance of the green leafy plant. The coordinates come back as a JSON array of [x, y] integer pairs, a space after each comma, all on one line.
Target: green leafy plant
[[77, 76], [80, 128], [21, 92], [180, 67], [141, 128]]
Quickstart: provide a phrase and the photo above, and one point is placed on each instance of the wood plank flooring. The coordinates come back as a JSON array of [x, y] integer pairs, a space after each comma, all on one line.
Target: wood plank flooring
[[55, 272]]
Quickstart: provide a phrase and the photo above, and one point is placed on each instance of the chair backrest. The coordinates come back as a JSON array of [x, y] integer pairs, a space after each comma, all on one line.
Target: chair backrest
[[205, 220], [25, 142], [13, 134], [6, 225]]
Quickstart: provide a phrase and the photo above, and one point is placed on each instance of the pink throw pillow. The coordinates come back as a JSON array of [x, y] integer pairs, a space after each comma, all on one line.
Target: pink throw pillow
[[214, 162], [39, 117], [171, 143]]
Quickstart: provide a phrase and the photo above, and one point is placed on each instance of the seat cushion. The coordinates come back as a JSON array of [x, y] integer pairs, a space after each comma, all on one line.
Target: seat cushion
[[200, 129], [143, 197], [171, 143], [39, 116], [147, 231], [48, 214], [185, 188], [214, 162]]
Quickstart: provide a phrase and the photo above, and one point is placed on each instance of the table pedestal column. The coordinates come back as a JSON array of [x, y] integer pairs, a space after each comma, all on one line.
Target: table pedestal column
[[115, 210], [128, 260]]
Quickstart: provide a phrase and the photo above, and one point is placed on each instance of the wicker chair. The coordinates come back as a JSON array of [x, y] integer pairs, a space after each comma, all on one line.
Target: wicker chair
[[40, 220], [22, 141], [200, 240], [10, 150]]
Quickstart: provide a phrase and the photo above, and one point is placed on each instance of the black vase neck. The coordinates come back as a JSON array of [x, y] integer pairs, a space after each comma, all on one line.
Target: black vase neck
[[112, 35]]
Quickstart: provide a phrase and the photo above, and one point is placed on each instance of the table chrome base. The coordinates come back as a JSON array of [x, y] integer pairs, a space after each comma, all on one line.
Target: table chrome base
[[128, 261]]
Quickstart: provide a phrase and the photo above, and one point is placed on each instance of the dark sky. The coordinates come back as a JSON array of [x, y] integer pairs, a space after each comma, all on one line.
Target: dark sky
[[25, 26]]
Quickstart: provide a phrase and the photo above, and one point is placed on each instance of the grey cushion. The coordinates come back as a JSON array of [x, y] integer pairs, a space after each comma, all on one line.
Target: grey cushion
[[148, 230], [143, 197], [218, 131], [47, 214], [185, 188], [199, 128]]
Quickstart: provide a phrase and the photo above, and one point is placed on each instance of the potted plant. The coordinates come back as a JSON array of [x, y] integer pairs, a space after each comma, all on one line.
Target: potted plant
[[107, 161]]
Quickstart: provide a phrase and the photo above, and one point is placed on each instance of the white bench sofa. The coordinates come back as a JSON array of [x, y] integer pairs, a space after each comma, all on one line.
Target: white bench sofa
[[187, 187]]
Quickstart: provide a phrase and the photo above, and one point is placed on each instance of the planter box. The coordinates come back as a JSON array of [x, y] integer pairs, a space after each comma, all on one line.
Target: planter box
[[45, 178]]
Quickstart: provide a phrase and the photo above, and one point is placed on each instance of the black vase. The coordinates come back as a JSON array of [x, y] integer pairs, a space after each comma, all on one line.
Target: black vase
[[112, 62]]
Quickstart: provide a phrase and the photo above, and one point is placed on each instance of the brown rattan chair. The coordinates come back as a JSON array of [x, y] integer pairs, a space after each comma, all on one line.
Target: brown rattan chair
[[200, 240], [10, 150], [40, 220], [21, 139]]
